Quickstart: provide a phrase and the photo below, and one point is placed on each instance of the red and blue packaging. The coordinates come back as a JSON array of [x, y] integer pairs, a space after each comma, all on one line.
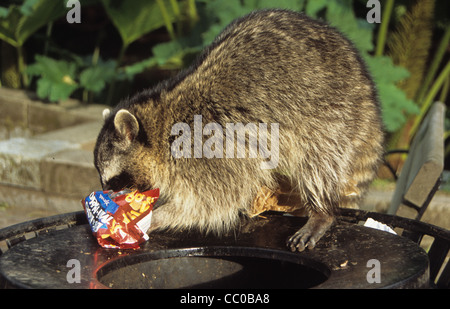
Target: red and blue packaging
[[120, 219]]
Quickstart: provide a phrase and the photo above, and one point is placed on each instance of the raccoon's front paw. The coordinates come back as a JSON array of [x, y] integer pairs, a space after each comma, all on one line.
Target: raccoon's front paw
[[310, 233]]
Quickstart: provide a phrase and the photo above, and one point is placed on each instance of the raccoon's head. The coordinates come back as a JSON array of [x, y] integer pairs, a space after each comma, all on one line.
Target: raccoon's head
[[117, 152]]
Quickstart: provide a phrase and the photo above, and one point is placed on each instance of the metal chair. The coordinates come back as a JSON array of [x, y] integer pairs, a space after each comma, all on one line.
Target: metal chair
[[420, 176]]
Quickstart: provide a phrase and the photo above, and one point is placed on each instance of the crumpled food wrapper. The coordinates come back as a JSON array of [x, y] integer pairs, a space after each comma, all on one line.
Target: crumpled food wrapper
[[120, 219]]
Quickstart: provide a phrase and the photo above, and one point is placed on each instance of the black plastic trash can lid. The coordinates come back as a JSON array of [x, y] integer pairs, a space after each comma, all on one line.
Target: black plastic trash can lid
[[255, 256]]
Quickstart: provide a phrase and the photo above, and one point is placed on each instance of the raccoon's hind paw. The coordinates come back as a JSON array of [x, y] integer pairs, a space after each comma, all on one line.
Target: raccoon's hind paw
[[310, 233]]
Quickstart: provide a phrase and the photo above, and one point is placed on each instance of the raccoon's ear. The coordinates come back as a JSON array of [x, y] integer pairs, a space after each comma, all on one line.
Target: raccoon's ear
[[127, 125]]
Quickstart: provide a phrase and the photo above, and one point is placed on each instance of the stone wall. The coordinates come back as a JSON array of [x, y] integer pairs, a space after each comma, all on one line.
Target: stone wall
[[46, 156]]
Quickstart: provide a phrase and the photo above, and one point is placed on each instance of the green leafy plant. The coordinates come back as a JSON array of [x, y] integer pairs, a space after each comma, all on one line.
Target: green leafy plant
[[395, 104], [18, 23], [133, 19], [409, 45], [58, 79]]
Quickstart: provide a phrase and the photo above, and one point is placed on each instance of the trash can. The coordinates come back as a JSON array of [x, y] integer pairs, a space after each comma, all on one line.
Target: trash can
[[60, 252]]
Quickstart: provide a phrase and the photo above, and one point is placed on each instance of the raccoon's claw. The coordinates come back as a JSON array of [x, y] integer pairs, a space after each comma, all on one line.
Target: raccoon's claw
[[310, 234]]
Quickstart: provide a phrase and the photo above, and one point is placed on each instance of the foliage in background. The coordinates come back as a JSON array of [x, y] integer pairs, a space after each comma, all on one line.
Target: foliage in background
[[405, 72], [395, 105], [19, 22], [410, 46], [58, 79]]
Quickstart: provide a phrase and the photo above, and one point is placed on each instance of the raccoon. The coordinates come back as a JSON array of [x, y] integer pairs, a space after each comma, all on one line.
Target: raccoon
[[269, 67]]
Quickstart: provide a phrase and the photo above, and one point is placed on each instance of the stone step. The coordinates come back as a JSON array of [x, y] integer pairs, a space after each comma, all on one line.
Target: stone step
[[46, 155], [22, 114], [49, 173], [50, 160]]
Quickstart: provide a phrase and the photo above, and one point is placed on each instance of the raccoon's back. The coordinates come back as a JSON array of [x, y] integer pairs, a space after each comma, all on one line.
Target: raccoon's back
[[278, 66], [275, 63]]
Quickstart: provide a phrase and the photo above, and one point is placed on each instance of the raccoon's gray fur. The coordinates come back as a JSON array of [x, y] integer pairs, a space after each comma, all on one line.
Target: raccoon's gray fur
[[272, 66]]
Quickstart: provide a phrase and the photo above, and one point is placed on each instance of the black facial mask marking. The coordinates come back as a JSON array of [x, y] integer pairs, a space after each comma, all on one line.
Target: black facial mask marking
[[119, 182]]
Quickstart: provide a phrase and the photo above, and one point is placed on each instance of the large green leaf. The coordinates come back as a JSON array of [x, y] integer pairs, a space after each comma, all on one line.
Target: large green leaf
[[22, 21], [395, 106], [173, 52], [95, 78], [8, 24], [46, 89], [296, 5], [134, 18], [225, 12], [340, 14], [130, 71], [312, 8], [57, 78]]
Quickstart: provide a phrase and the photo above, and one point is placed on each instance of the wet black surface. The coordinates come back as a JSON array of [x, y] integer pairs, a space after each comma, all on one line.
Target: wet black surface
[[254, 256]]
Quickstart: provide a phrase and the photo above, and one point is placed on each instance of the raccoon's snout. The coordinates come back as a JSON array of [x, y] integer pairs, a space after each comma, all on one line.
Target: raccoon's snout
[[119, 182], [113, 184]]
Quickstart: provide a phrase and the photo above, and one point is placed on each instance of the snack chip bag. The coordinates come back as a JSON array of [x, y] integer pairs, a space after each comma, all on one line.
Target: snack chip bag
[[120, 219]]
